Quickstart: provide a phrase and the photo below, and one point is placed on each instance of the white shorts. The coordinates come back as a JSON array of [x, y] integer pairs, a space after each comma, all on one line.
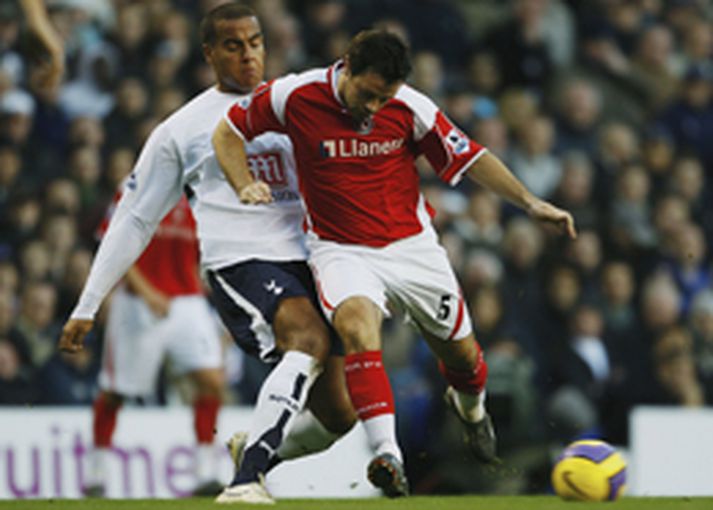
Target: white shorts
[[136, 342], [412, 274]]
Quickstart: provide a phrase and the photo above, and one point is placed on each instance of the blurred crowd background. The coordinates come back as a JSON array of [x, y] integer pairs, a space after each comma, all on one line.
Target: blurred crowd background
[[604, 107]]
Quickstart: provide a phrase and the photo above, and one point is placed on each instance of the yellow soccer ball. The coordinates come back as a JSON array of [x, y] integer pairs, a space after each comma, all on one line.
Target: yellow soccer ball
[[589, 470]]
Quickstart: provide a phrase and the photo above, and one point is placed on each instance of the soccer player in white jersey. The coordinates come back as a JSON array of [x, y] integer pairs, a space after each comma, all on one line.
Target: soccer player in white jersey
[[357, 129], [255, 257]]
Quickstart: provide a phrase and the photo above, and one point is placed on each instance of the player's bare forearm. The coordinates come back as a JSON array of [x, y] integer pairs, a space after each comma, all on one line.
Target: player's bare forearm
[[492, 173], [232, 158], [73, 334], [38, 21], [157, 301]]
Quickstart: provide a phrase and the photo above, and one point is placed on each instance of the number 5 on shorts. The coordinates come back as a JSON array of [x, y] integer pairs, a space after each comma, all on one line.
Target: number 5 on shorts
[[444, 309]]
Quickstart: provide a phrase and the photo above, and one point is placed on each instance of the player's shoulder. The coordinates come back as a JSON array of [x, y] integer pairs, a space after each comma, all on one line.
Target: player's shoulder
[[204, 106], [418, 102], [288, 84], [200, 115]]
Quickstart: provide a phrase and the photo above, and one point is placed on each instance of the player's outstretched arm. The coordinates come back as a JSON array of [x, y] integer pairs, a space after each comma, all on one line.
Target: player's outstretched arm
[[50, 74], [492, 173], [230, 152], [73, 334]]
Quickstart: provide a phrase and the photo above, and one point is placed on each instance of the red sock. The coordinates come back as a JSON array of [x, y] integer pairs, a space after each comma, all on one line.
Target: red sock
[[368, 384], [205, 415], [469, 381], [104, 421]]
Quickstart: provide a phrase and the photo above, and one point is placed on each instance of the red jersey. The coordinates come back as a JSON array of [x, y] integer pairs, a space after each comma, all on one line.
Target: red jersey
[[359, 182], [170, 261]]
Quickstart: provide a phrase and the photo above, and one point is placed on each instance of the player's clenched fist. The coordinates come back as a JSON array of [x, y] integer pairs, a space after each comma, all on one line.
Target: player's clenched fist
[[73, 333], [256, 192]]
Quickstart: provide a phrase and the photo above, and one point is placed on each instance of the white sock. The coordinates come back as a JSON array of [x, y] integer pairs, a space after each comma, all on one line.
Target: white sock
[[306, 436], [381, 432], [285, 389], [96, 467], [206, 464], [470, 406]]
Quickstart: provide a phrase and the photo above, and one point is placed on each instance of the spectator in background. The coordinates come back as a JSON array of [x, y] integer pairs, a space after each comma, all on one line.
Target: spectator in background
[[675, 370], [520, 46], [532, 158], [36, 320], [657, 156], [653, 65], [629, 224], [585, 255], [576, 188], [690, 117], [702, 330], [579, 108], [522, 252], [618, 285], [689, 267], [670, 213]]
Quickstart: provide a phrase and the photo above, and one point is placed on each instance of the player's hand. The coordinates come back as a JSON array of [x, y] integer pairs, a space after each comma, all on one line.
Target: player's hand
[[257, 192], [73, 333], [48, 74], [544, 211], [159, 303]]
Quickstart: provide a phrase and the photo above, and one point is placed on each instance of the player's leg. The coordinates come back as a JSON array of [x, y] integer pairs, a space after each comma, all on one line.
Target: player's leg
[[267, 308], [131, 358], [358, 322], [303, 340], [105, 411], [208, 384], [328, 416], [461, 363], [425, 286], [353, 296], [194, 347]]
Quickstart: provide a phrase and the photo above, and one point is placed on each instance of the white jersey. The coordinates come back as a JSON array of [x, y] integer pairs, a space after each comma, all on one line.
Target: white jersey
[[179, 154]]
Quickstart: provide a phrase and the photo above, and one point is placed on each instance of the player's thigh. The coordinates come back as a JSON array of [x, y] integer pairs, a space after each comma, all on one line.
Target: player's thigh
[[134, 347], [424, 285], [341, 273], [249, 295], [298, 325], [329, 399], [193, 341]]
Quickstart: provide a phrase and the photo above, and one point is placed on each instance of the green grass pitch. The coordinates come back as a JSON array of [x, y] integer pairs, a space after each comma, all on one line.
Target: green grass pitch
[[412, 503]]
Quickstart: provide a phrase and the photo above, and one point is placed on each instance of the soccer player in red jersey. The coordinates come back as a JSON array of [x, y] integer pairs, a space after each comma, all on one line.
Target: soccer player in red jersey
[[160, 313], [357, 130]]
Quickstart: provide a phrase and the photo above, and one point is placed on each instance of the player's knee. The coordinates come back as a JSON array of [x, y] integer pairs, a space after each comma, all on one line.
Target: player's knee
[[311, 339], [210, 384], [111, 399], [463, 355], [356, 327]]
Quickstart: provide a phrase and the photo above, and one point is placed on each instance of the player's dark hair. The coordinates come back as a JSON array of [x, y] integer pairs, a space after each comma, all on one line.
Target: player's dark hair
[[381, 52], [208, 30]]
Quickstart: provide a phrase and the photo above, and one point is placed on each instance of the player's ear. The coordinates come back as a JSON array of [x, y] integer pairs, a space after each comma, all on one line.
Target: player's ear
[[207, 52], [347, 67]]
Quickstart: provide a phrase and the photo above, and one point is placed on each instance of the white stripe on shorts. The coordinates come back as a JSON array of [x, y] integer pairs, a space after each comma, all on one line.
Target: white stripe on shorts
[[259, 326]]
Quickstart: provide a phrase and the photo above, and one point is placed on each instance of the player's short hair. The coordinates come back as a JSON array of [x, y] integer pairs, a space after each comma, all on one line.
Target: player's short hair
[[381, 52], [231, 10]]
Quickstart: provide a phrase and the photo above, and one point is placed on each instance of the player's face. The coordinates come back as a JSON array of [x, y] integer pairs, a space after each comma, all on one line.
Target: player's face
[[238, 55], [366, 93]]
